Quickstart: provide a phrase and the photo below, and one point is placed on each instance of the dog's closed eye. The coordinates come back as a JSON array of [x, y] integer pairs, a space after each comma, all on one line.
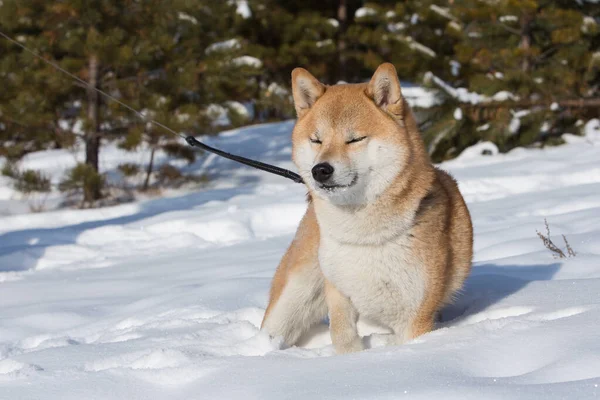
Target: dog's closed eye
[[356, 140]]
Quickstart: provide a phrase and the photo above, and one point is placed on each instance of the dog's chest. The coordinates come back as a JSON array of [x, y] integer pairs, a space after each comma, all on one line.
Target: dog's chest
[[382, 281]]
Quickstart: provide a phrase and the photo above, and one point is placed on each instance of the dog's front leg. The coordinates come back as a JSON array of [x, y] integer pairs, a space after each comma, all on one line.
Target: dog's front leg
[[342, 321], [297, 299], [297, 303]]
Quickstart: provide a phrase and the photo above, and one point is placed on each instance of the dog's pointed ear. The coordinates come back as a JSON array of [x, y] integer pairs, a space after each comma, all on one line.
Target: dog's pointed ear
[[306, 89], [384, 89]]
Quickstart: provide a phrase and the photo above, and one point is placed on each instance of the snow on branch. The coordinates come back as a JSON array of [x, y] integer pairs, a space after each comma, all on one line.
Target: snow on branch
[[443, 12], [502, 98], [414, 45], [462, 95]]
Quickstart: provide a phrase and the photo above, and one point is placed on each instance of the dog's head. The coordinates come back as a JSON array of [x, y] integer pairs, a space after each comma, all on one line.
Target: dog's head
[[350, 141]]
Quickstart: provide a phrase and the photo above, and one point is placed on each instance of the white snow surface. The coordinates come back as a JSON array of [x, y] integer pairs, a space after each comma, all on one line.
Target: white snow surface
[[163, 298]]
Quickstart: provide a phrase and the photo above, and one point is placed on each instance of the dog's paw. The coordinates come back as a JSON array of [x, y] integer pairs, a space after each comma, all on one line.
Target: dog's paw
[[274, 342], [349, 347], [376, 340]]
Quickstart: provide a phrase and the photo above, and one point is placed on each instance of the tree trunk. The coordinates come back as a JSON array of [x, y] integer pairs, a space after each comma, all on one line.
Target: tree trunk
[[92, 136], [342, 14], [525, 43], [149, 169]]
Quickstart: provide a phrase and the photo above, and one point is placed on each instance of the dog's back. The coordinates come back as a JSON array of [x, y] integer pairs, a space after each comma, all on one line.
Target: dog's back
[[461, 235]]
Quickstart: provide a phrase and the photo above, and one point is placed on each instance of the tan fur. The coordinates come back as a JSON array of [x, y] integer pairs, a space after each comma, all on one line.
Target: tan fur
[[302, 252], [419, 218]]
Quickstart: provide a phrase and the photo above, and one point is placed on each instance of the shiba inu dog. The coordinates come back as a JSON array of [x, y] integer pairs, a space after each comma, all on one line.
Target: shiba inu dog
[[386, 235]]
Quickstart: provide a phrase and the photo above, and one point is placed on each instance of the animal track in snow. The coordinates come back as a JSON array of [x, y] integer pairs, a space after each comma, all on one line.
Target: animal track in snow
[[153, 359], [11, 369]]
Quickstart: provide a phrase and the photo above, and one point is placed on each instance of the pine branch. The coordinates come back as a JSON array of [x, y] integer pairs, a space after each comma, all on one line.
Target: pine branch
[[508, 28]]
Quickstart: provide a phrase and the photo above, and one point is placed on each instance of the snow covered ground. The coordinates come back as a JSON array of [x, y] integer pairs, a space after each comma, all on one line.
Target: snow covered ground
[[162, 298]]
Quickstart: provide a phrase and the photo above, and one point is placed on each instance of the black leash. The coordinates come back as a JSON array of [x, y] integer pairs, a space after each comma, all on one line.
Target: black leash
[[286, 173], [192, 141]]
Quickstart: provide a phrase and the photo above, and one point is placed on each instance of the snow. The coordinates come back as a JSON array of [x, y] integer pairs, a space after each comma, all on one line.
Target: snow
[[413, 44], [365, 12], [454, 67], [545, 126], [75, 126], [458, 114], [514, 125], [163, 298], [333, 22], [231, 44], [463, 95], [419, 97], [244, 110], [504, 95], [218, 114], [591, 130], [243, 9], [515, 122], [455, 25], [186, 17], [396, 27], [324, 43], [442, 11], [588, 25], [483, 127], [247, 61], [508, 18], [275, 89]]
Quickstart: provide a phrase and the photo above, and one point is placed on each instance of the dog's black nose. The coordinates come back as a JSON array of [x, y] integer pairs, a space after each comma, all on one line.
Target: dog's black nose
[[321, 172]]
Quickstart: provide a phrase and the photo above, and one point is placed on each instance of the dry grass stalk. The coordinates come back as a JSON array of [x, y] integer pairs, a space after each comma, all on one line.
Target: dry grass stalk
[[556, 251]]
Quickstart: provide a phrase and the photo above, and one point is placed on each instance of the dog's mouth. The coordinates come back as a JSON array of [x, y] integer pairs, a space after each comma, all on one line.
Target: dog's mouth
[[332, 188]]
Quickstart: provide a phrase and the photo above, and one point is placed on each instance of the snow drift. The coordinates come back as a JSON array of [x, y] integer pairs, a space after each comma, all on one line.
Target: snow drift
[[163, 298]]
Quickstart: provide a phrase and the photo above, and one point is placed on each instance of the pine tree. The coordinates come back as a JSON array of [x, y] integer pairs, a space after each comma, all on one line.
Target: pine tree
[[35, 102], [529, 73], [94, 39], [207, 68], [285, 35], [510, 71], [151, 55]]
